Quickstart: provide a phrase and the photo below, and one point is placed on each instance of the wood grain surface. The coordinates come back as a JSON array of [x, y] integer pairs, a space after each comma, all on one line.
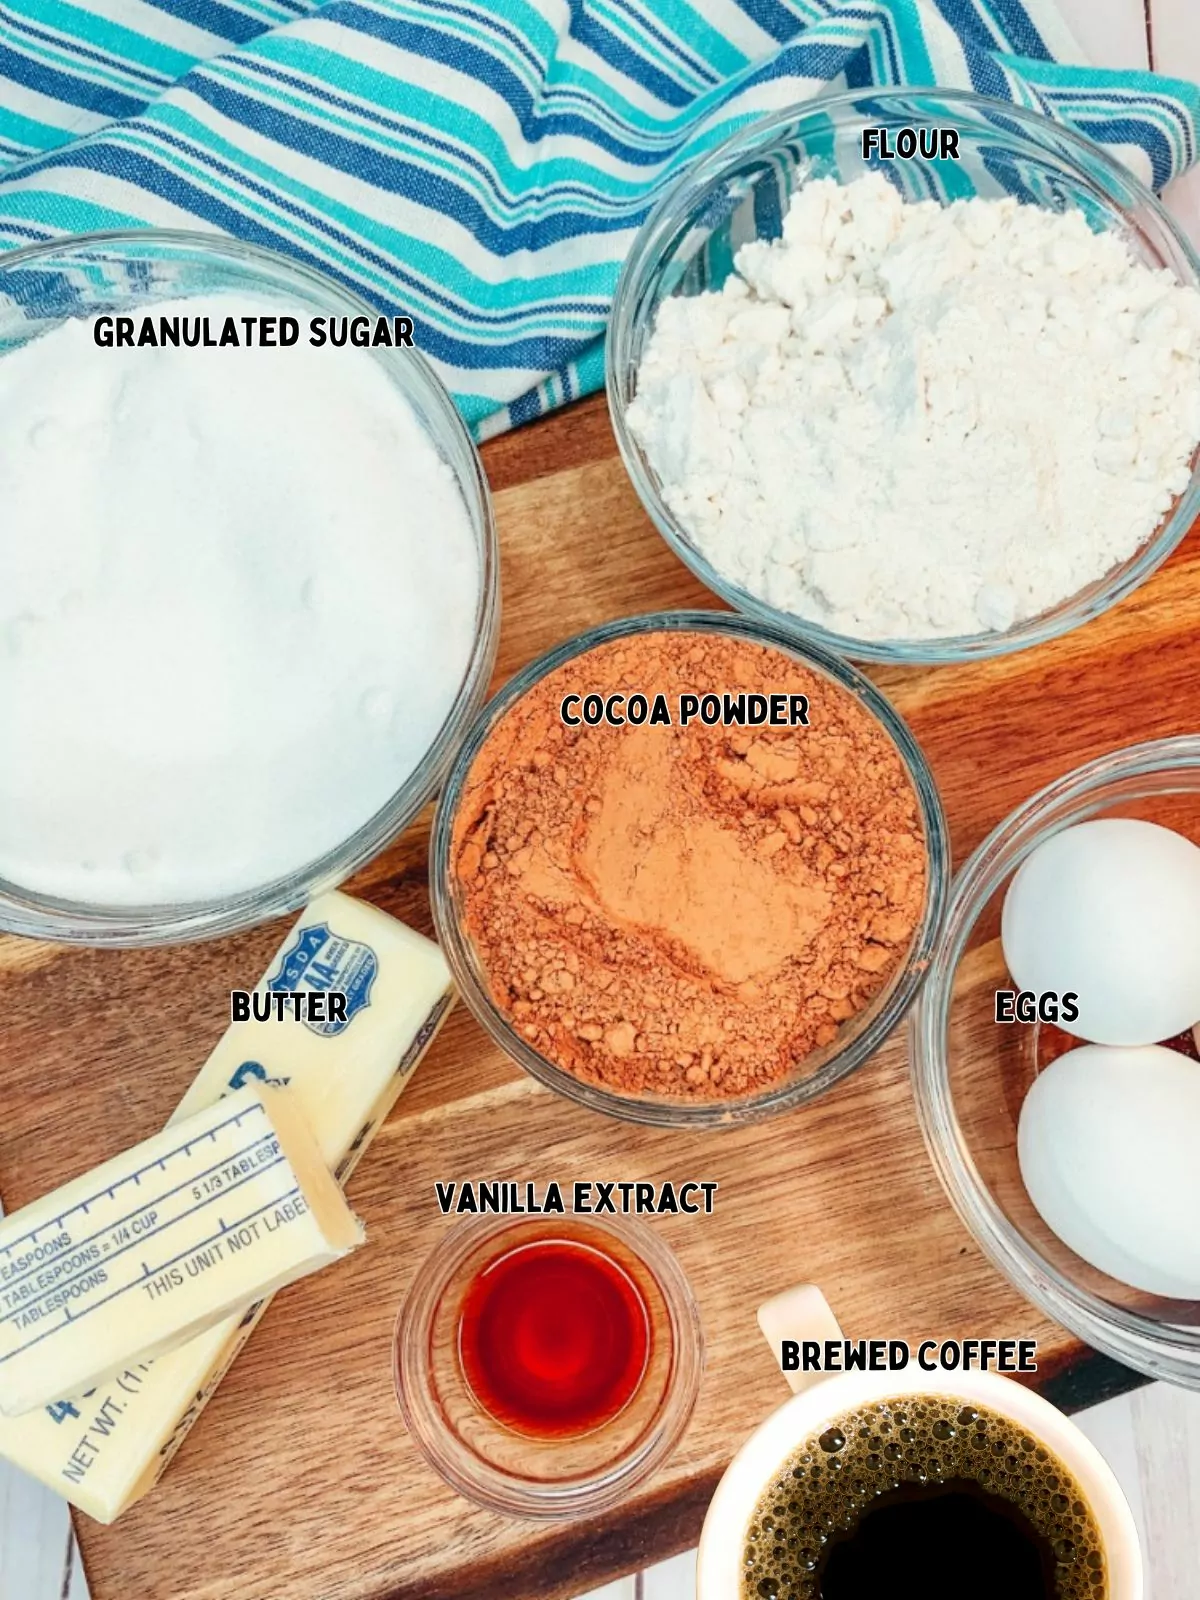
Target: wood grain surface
[[299, 1482]]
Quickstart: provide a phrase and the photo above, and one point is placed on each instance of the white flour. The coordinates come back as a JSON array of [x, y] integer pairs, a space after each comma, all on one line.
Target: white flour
[[237, 598], [904, 421]]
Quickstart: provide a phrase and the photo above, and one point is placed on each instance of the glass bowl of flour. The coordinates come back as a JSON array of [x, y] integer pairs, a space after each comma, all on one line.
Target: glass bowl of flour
[[248, 586], [918, 410]]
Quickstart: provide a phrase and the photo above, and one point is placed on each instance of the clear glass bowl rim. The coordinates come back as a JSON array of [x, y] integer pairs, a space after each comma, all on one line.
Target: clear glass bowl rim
[[644, 264], [47, 917], [860, 1045], [490, 1486], [1157, 1349]]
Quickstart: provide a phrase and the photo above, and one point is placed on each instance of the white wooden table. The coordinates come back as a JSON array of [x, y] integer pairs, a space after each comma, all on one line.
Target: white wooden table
[[1151, 1437]]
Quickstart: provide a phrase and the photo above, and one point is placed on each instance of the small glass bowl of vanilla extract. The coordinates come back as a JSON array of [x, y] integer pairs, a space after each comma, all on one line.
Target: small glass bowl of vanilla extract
[[544, 1366]]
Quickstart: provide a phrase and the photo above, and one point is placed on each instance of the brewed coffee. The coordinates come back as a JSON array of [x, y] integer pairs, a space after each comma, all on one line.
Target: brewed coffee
[[923, 1495]]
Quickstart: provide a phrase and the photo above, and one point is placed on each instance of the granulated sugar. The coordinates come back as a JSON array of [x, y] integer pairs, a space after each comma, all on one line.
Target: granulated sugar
[[237, 599], [909, 421]]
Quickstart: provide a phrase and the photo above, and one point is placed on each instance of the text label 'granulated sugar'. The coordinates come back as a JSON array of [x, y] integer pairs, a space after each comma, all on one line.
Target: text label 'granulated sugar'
[[270, 332]]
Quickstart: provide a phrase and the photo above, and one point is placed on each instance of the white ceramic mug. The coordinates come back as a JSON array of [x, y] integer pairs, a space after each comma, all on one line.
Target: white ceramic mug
[[802, 1314]]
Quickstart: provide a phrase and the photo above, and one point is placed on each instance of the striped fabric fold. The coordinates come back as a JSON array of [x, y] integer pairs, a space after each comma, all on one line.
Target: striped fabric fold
[[481, 165]]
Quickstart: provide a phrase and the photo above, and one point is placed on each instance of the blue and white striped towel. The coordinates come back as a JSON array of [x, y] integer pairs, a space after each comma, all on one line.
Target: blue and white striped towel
[[481, 164]]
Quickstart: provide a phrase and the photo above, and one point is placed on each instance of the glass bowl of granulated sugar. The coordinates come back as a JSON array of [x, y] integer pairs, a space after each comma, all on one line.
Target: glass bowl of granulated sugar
[[915, 376], [248, 587]]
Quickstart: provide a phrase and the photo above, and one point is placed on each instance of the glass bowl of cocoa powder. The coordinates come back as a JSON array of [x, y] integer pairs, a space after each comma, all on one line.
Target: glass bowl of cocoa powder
[[688, 872]]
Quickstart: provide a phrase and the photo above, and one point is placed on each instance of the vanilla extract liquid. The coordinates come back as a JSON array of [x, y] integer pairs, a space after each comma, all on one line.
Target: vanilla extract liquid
[[554, 1338], [922, 1495]]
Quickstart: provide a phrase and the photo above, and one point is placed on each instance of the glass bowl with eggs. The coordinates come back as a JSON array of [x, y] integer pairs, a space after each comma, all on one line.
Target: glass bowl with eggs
[[931, 409], [248, 586], [1054, 1053]]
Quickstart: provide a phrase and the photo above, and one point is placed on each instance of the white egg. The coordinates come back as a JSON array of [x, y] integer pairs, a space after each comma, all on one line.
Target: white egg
[[1108, 1142], [1110, 910]]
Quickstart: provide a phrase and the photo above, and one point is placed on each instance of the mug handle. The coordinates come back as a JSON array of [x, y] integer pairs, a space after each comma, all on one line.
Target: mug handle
[[799, 1313]]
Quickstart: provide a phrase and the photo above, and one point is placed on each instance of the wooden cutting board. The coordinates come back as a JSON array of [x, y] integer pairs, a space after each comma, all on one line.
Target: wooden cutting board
[[299, 1481]]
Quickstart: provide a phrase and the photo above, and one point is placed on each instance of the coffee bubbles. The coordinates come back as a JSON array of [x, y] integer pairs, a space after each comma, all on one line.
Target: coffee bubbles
[[919, 1491]]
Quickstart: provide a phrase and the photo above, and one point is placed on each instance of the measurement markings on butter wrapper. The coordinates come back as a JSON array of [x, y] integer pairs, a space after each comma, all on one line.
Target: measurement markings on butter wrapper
[[177, 1218], [8, 1277]]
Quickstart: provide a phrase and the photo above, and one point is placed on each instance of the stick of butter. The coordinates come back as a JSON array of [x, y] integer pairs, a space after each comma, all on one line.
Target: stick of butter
[[106, 1449], [161, 1242]]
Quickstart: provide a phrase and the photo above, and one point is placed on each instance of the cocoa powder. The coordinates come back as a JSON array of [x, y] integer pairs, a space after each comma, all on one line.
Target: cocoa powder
[[687, 911]]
